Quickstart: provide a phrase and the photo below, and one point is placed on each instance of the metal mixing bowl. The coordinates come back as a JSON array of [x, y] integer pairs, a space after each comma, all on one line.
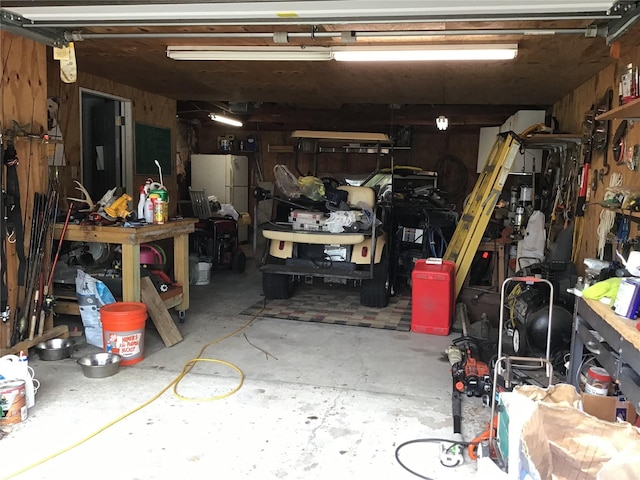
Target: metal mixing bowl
[[55, 349], [100, 365]]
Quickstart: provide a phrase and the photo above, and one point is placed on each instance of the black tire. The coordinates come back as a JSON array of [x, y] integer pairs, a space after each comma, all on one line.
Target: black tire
[[239, 262], [375, 292], [277, 286], [519, 340]]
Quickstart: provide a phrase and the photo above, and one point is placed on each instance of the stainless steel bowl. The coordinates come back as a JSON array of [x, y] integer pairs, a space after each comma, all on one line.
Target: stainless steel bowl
[[100, 365], [55, 349]]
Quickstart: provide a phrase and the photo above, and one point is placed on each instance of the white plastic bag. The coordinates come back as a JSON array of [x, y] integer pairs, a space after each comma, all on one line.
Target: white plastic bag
[[340, 219], [286, 181], [92, 294]]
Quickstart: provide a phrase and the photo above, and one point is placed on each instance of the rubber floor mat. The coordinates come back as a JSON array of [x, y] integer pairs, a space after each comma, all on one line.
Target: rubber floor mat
[[337, 305]]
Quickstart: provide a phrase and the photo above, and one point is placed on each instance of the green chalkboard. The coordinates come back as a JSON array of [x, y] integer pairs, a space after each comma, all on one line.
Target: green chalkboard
[[152, 143]]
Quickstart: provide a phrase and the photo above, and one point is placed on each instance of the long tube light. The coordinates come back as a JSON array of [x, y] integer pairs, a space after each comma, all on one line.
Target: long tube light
[[226, 120], [345, 54], [425, 53], [250, 53]]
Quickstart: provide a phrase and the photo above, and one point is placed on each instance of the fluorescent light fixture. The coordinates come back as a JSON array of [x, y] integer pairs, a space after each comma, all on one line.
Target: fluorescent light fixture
[[347, 54], [442, 122], [299, 53], [425, 53], [226, 120]]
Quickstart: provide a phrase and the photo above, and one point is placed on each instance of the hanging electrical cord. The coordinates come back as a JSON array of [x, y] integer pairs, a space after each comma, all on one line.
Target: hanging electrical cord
[[174, 383], [607, 217]]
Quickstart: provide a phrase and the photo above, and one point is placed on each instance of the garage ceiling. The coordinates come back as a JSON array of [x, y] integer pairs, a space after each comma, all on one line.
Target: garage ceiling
[[560, 45]]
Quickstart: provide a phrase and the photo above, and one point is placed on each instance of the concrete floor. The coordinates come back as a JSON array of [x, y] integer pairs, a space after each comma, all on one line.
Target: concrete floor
[[318, 401]]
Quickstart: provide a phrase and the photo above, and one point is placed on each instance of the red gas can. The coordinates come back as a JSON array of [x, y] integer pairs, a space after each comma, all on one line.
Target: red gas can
[[432, 296]]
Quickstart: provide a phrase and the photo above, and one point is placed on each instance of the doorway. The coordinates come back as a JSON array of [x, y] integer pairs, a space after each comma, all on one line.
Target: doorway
[[106, 143]]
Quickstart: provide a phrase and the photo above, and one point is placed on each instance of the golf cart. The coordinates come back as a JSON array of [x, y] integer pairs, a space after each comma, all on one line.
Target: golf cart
[[335, 234]]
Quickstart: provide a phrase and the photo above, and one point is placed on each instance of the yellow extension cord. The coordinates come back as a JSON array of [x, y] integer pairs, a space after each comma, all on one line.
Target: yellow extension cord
[[175, 382]]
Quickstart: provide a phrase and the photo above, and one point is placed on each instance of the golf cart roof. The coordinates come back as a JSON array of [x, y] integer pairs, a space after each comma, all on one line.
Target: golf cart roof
[[342, 136]]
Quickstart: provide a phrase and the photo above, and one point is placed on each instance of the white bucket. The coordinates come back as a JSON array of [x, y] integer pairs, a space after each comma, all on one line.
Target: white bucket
[[203, 273]]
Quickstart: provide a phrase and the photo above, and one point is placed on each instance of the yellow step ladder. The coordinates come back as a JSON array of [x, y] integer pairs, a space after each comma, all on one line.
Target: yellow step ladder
[[481, 203]]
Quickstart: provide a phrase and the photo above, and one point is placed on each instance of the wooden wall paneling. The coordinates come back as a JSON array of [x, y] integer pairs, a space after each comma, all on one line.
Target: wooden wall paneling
[[23, 90], [570, 112], [147, 108]]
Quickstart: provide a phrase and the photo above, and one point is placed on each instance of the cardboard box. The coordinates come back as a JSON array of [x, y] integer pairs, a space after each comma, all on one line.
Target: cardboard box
[[609, 408]]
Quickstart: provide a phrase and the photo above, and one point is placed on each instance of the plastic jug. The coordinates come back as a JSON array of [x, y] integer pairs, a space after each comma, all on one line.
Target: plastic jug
[[13, 367]]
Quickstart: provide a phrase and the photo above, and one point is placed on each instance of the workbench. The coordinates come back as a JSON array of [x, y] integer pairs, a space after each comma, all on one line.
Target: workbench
[[618, 350], [130, 239]]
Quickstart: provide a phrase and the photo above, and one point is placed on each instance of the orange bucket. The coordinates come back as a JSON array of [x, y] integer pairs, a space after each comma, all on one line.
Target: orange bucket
[[123, 329]]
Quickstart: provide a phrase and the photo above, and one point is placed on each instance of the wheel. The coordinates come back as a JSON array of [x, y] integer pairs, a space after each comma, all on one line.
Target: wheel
[[375, 292], [277, 286], [519, 340], [239, 261], [182, 315]]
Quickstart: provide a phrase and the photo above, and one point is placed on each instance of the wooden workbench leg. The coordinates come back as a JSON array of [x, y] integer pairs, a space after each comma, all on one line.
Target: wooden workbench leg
[[181, 268], [130, 273]]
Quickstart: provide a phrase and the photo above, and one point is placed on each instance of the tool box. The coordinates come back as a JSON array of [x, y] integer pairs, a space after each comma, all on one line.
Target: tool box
[[306, 220]]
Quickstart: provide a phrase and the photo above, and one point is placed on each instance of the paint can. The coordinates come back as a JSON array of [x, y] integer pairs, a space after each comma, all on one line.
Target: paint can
[[13, 402]]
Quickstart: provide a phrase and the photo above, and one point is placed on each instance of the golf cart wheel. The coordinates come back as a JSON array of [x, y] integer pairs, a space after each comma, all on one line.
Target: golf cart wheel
[[239, 262], [277, 286], [519, 340], [375, 292]]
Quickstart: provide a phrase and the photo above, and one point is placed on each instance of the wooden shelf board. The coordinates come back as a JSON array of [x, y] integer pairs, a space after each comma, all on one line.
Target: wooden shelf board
[[552, 140], [628, 110]]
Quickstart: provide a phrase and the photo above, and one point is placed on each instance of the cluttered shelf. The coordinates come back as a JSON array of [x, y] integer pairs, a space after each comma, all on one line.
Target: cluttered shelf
[[624, 201], [614, 341], [628, 110]]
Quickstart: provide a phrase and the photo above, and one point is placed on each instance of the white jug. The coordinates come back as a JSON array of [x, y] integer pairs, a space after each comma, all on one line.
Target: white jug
[[14, 368]]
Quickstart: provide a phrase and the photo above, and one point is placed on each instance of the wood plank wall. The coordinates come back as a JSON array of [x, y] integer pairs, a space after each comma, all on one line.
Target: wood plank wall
[[23, 95], [426, 150], [570, 112], [147, 108]]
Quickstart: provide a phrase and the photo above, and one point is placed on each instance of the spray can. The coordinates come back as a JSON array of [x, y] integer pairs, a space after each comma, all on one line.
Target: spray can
[[141, 202]]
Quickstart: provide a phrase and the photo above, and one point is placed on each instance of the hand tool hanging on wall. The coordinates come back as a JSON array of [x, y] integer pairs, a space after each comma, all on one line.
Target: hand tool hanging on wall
[[5, 312], [13, 226], [587, 152], [619, 142], [601, 133]]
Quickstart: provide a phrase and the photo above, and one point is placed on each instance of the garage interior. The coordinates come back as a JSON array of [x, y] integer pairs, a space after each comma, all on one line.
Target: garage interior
[[317, 385]]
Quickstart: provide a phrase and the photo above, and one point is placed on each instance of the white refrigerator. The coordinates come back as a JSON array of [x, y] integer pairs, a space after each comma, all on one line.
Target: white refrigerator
[[226, 177]]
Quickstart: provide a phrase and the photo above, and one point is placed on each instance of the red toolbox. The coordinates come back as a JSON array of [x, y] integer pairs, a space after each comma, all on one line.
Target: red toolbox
[[432, 296]]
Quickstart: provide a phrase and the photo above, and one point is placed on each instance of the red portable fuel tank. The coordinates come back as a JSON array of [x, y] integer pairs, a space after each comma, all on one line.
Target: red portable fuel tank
[[432, 296]]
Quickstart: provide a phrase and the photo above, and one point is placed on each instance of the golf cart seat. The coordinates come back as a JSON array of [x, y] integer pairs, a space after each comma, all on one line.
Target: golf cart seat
[[355, 195]]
